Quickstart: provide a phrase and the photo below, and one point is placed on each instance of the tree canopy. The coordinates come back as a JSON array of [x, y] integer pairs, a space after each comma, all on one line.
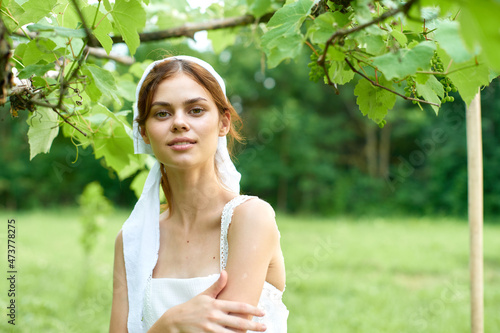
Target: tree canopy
[[61, 61]]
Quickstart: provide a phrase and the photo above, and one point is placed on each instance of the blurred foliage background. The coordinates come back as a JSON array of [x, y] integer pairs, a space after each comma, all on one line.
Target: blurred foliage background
[[373, 221], [307, 150]]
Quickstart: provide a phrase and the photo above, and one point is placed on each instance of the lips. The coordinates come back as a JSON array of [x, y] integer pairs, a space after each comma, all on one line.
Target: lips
[[181, 141]]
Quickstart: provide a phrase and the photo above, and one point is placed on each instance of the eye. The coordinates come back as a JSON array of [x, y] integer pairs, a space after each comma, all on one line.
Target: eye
[[196, 111], [162, 114]]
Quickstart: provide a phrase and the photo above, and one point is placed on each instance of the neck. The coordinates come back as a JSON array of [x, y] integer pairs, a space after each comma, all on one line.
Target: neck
[[196, 194]]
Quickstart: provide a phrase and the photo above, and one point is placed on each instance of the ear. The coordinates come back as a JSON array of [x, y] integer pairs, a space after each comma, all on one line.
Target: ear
[[144, 134], [225, 123]]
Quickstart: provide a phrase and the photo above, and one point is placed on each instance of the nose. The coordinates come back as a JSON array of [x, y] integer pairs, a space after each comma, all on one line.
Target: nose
[[179, 122]]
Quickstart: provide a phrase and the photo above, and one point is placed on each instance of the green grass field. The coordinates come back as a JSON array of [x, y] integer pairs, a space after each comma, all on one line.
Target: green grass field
[[343, 274]]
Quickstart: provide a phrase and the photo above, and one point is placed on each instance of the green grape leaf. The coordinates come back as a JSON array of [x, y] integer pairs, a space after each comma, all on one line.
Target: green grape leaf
[[136, 164], [469, 79], [373, 44], [428, 87], [116, 148], [103, 29], [400, 37], [467, 76], [493, 75], [37, 70], [221, 39], [448, 36], [334, 53], [66, 15], [432, 82], [107, 5], [39, 49], [322, 28], [103, 80], [101, 114], [19, 54], [362, 10], [137, 184], [325, 25], [59, 31], [44, 127], [35, 10], [363, 14], [11, 16], [340, 72], [405, 62], [42, 81], [284, 39], [479, 28], [374, 102], [129, 17], [259, 7], [126, 89], [138, 68]]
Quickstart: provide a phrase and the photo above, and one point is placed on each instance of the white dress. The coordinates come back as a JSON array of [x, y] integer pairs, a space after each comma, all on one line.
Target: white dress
[[163, 293]]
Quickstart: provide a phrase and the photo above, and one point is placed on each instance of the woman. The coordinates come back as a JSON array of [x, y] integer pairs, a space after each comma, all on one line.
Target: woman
[[186, 270]]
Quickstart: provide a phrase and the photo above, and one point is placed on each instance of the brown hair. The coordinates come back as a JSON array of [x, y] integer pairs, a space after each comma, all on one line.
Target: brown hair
[[168, 69]]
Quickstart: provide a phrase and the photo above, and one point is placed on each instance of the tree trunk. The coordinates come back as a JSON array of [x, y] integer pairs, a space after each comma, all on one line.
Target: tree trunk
[[475, 194], [5, 72], [371, 148], [384, 151], [283, 178]]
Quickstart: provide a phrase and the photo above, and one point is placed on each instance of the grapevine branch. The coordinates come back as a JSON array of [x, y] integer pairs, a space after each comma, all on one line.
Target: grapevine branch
[[99, 52], [189, 29], [91, 40], [64, 82], [344, 32], [388, 89], [67, 121]]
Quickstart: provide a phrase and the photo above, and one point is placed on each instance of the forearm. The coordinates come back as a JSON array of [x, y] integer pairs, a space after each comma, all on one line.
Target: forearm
[[165, 324]]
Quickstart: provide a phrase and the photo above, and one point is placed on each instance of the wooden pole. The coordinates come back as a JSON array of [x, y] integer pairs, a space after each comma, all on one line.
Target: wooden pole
[[475, 198]]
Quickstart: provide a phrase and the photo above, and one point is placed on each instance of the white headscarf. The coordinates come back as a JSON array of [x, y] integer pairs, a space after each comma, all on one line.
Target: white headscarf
[[141, 233]]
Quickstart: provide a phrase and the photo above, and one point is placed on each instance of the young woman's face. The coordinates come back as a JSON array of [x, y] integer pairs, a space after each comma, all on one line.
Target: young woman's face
[[184, 123]]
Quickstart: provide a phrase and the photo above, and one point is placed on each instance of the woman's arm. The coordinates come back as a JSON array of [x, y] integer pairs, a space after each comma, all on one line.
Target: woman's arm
[[119, 307], [253, 238], [203, 313]]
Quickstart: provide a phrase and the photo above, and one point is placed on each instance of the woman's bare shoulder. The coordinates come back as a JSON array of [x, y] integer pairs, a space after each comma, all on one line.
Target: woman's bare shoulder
[[119, 238], [256, 215]]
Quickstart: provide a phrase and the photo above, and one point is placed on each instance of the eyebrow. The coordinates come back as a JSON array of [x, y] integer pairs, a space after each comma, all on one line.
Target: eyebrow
[[186, 102]]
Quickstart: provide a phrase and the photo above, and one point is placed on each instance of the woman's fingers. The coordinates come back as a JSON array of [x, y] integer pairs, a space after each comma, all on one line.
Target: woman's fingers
[[217, 286], [237, 324], [226, 315], [239, 308], [229, 316]]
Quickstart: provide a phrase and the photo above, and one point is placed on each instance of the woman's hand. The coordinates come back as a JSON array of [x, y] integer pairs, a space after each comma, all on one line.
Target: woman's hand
[[205, 313]]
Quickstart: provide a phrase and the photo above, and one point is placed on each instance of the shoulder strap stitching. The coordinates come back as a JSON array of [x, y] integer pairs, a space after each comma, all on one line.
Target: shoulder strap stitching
[[227, 214]]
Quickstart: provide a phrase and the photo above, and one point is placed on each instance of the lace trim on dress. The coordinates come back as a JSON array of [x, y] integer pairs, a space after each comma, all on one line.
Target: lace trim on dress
[[227, 214], [147, 299]]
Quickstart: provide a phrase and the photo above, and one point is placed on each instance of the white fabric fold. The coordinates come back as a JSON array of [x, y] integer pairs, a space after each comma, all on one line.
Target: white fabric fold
[[140, 245], [141, 230], [229, 176]]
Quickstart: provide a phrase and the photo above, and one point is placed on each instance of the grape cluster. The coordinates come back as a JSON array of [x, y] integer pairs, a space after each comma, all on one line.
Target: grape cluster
[[316, 71], [437, 66], [448, 87], [410, 88], [436, 63]]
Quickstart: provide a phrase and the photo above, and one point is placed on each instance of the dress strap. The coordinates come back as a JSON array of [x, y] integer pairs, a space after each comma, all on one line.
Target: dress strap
[[227, 214]]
